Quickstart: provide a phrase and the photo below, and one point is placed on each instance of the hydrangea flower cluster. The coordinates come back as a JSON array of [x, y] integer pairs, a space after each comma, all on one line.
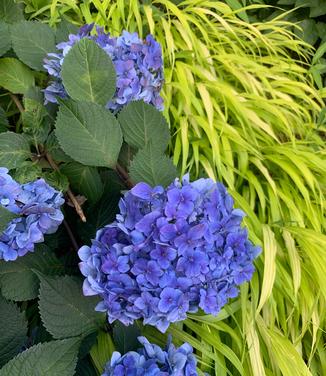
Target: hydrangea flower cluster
[[138, 64], [169, 252], [151, 360], [38, 208]]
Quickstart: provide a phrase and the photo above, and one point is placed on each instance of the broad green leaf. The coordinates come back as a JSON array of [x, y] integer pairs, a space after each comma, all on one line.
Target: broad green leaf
[[142, 123], [27, 172], [5, 41], [55, 358], [65, 312], [153, 167], [64, 29], [10, 11], [13, 329], [15, 76], [57, 180], [5, 217], [32, 41], [35, 117], [84, 179], [104, 211], [88, 73], [14, 149], [88, 133], [4, 123], [52, 147], [17, 280], [125, 337]]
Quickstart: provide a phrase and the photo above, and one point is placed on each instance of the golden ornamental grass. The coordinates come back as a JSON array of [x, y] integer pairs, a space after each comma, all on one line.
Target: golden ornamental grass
[[243, 109]]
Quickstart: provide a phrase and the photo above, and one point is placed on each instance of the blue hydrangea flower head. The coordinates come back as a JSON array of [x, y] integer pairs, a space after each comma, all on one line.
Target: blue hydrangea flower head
[[151, 360], [170, 251], [138, 64], [38, 208]]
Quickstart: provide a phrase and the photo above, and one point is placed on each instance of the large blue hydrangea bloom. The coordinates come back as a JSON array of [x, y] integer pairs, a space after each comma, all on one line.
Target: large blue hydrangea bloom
[[151, 360], [169, 252], [138, 64], [38, 208]]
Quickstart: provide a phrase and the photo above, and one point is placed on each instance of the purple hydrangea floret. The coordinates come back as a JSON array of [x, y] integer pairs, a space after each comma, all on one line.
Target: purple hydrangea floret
[[37, 206], [138, 64], [151, 360], [169, 252]]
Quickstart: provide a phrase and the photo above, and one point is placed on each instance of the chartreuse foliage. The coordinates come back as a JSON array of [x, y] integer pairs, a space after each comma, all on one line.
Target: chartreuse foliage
[[243, 109]]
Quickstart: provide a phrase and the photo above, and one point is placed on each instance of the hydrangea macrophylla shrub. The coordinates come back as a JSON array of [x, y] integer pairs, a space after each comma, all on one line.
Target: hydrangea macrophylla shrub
[[151, 360], [38, 208], [169, 252], [138, 64]]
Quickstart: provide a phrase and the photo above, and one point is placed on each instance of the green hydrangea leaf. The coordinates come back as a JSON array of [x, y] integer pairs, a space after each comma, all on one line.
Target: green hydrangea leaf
[[77, 313], [15, 76], [88, 73], [125, 337], [17, 280], [55, 358], [141, 123], [4, 123], [10, 11], [14, 149], [64, 29], [5, 217], [27, 172], [88, 133], [5, 41], [32, 41], [57, 180], [84, 179], [13, 329], [151, 166]]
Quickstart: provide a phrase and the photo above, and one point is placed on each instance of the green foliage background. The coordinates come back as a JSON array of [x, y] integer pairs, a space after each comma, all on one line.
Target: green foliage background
[[243, 108]]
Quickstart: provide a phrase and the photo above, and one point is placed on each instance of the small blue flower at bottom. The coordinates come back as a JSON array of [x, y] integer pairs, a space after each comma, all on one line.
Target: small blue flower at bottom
[[151, 360]]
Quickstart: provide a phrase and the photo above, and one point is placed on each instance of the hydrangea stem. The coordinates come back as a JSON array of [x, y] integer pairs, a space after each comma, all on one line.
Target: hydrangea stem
[[124, 176], [72, 197]]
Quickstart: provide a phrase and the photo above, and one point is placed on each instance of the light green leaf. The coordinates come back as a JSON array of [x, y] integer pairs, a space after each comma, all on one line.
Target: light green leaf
[[102, 350], [13, 329], [88, 73], [88, 133], [141, 123], [5, 217], [35, 117], [5, 41], [57, 180], [14, 149], [84, 179], [152, 167], [65, 312], [17, 280], [32, 41], [15, 76], [55, 358], [10, 11], [27, 172]]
